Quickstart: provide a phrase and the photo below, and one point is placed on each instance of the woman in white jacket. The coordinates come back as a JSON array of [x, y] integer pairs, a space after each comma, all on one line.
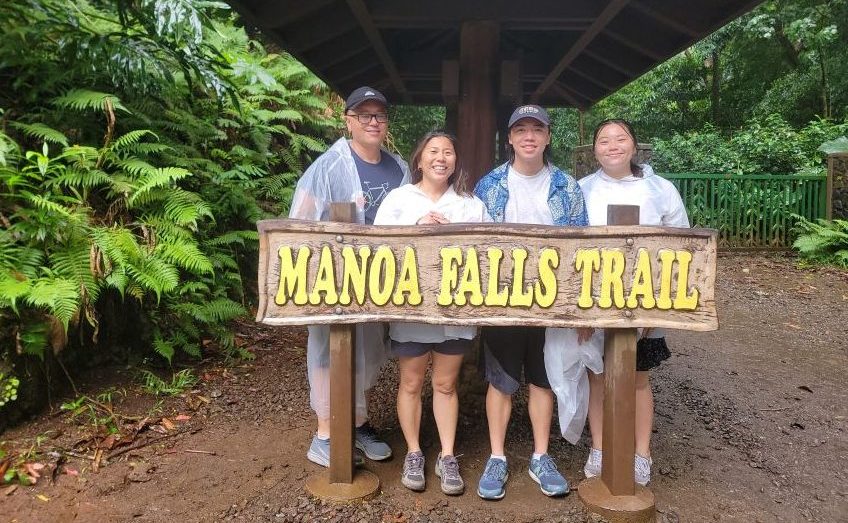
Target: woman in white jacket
[[438, 193], [621, 181]]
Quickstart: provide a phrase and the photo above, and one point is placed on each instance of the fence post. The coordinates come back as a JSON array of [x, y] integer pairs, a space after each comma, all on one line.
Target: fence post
[[837, 186]]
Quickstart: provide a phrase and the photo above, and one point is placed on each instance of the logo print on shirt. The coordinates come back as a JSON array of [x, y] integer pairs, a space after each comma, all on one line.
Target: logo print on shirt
[[374, 195]]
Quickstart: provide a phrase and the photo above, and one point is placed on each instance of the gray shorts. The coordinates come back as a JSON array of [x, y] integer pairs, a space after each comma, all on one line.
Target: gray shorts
[[413, 349]]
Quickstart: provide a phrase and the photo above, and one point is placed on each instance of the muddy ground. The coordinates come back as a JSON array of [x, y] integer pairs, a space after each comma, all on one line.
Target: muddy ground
[[750, 426]]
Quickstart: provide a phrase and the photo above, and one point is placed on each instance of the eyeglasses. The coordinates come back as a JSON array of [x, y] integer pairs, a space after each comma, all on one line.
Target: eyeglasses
[[365, 118]]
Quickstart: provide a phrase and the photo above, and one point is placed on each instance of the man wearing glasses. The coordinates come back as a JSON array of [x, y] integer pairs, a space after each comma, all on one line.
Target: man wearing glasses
[[354, 170]]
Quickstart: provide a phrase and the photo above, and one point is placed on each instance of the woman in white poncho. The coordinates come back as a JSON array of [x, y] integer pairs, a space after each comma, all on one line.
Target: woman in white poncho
[[619, 181], [437, 194]]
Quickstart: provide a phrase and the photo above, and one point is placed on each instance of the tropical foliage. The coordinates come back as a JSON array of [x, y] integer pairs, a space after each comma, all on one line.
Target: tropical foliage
[[140, 142]]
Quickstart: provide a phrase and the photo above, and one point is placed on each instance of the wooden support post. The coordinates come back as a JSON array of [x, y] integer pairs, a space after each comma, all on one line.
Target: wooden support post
[[342, 482], [615, 495], [478, 75]]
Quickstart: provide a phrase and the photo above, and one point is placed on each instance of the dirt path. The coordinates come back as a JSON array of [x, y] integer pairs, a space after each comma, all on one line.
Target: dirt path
[[751, 426]]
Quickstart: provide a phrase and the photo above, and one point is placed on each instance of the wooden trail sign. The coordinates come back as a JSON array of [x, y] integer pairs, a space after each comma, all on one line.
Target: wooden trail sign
[[487, 274]]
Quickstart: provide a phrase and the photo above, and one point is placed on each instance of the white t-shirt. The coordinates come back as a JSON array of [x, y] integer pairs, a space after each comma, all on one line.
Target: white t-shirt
[[528, 197], [658, 200], [405, 206]]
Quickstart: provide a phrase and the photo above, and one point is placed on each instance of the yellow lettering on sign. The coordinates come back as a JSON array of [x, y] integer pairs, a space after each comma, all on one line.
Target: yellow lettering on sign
[[666, 267], [683, 300], [612, 271], [521, 296], [643, 283], [292, 277], [381, 276], [588, 261], [495, 296], [354, 274], [470, 282], [325, 280], [408, 281], [545, 290], [451, 258]]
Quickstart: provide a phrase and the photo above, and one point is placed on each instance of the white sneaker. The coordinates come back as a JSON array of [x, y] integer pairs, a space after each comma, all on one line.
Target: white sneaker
[[593, 463], [642, 469]]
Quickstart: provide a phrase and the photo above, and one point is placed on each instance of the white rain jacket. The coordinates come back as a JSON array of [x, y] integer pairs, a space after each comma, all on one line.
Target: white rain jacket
[[565, 360], [333, 178]]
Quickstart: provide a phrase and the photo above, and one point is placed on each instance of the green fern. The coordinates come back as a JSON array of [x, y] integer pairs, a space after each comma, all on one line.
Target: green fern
[[59, 296], [41, 132], [823, 241], [185, 255], [162, 177], [86, 100]]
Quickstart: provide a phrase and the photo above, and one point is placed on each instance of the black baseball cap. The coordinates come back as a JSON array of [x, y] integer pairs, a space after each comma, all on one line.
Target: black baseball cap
[[363, 94], [530, 111]]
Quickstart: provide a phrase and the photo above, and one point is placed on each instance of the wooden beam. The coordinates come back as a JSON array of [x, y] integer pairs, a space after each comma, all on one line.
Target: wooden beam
[[591, 79], [360, 11], [357, 72], [570, 96], [326, 57], [667, 20], [610, 11], [630, 73], [635, 45], [478, 67]]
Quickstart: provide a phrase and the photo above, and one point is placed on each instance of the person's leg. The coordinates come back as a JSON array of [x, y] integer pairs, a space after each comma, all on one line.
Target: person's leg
[[498, 411], [540, 405], [644, 414], [412, 371], [445, 400], [596, 409]]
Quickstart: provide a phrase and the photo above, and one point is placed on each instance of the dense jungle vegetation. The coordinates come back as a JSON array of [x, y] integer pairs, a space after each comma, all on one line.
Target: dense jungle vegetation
[[140, 140]]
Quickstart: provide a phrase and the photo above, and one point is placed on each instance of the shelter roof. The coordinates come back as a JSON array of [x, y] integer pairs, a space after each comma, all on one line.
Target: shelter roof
[[567, 52]]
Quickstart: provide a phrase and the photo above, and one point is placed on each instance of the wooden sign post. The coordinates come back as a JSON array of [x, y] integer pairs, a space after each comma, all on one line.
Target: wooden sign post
[[613, 277], [615, 495]]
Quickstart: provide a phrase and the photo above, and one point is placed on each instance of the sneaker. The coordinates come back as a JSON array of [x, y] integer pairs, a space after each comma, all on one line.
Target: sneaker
[[319, 453], [368, 442], [545, 473], [494, 478], [642, 469], [593, 464], [412, 476], [448, 470]]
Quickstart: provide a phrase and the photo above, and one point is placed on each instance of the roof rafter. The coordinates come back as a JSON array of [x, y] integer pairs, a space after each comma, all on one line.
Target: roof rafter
[[609, 12], [618, 37], [360, 11], [666, 20]]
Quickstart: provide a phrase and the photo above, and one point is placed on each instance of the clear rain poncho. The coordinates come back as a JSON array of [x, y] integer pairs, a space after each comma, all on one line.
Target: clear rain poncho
[[566, 362], [333, 178]]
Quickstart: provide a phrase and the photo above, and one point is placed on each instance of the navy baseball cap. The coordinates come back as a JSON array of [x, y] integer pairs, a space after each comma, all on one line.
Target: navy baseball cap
[[363, 94], [530, 111]]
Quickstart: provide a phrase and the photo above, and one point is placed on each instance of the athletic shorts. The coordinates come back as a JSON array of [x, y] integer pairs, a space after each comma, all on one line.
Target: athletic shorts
[[509, 350], [412, 349]]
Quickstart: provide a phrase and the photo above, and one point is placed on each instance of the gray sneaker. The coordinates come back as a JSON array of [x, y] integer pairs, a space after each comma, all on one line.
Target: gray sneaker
[[368, 442], [319, 453], [412, 476], [447, 469], [642, 469], [593, 463]]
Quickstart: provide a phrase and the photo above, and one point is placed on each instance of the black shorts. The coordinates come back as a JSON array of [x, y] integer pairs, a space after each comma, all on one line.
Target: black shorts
[[509, 350], [650, 352]]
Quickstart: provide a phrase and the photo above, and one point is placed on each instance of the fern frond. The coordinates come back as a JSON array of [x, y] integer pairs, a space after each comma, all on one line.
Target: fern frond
[[11, 289], [80, 178], [41, 132], [60, 296], [131, 138], [233, 237], [215, 311], [74, 263], [154, 274], [185, 255], [161, 177], [86, 100], [185, 208]]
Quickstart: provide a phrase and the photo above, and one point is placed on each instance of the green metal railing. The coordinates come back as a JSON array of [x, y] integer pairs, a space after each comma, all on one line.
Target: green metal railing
[[751, 211]]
